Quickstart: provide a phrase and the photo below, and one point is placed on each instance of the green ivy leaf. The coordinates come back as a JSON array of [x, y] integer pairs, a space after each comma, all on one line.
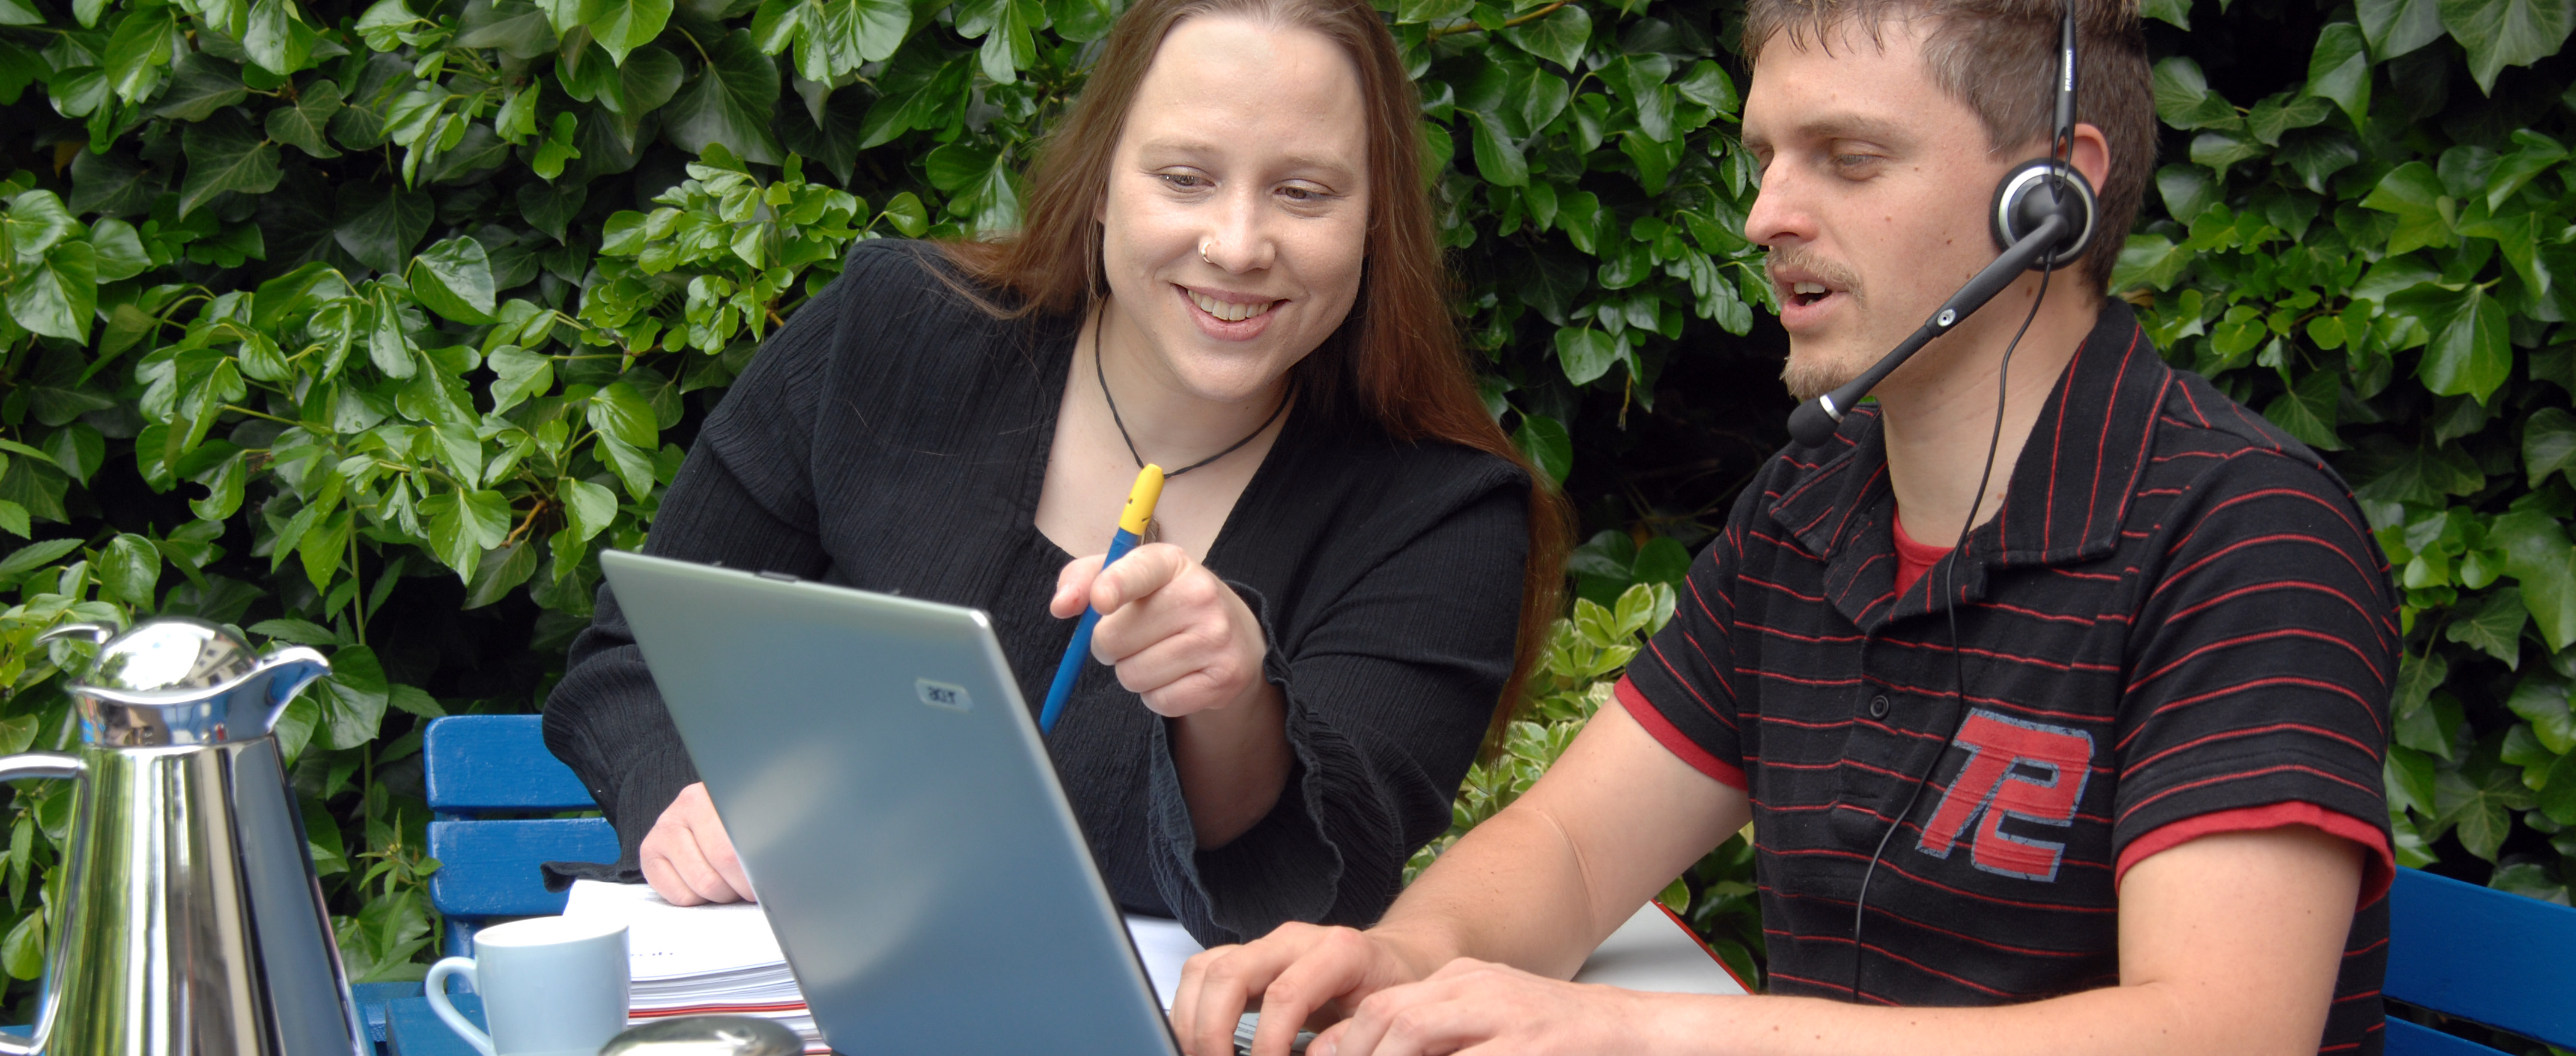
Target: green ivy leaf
[[2480, 806], [201, 86], [2185, 101], [1081, 21], [518, 375], [128, 567], [2549, 445], [517, 28], [1559, 38], [276, 38], [2539, 557], [621, 26], [2541, 700], [2339, 69], [501, 572], [2317, 154], [57, 294], [588, 508], [2495, 628], [224, 488], [904, 211], [224, 154], [1585, 353], [2307, 410], [2501, 33], [2176, 12], [2557, 798], [2222, 150], [22, 954], [462, 525], [2472, 352], [1544, 441], [301, 123], [357, 692], [2395, 27], [2418, 723], [141, 52], [379, 223], [622, 414], [454, 279], [1498, 159], [730, 103], [113, 184], [2414, 194], [2279, 114]]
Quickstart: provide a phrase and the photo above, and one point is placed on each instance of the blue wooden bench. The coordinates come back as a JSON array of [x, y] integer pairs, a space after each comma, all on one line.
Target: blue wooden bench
[[2482, 955], [475, 765]]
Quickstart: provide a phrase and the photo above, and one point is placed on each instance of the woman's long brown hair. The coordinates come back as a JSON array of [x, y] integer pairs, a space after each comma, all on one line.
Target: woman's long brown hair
[[1396, 358]]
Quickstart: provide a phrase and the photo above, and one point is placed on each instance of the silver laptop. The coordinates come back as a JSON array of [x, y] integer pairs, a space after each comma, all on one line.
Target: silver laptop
[[889, 796]]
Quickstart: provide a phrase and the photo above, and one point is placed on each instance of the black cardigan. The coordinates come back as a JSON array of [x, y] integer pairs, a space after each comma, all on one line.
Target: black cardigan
[[893, 437]]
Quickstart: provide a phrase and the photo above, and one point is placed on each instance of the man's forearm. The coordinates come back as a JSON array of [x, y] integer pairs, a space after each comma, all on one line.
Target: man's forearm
[[1540, 884], [2143, 1020], [1475, 901]]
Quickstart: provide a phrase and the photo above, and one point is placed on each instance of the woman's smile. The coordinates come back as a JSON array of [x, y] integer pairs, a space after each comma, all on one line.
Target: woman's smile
[[1235, 316]]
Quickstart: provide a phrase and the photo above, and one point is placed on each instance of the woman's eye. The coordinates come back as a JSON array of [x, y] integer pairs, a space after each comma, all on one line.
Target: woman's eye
[[1183, 181]]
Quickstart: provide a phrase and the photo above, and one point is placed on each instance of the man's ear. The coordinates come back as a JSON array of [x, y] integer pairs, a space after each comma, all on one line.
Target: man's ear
[[2092, 155]]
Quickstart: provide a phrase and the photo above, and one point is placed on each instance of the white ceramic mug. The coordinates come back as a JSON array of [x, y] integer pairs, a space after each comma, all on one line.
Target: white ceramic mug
[[551, 986]]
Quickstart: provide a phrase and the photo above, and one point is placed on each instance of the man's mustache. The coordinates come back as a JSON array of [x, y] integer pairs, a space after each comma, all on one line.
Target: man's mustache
[[1798, 257]]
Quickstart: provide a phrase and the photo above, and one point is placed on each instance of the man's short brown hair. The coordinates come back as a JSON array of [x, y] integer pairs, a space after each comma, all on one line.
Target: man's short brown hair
[[2000, 58]]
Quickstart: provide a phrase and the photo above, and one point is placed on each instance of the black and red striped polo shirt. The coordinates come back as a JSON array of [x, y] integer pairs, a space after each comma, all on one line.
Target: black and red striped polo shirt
[[2178, 625]]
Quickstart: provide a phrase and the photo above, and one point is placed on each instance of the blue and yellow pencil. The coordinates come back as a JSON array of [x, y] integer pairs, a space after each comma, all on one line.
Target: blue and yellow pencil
[[1132, 522]]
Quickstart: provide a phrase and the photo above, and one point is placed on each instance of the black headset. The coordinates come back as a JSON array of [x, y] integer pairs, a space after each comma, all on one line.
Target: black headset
[[2042, 218]]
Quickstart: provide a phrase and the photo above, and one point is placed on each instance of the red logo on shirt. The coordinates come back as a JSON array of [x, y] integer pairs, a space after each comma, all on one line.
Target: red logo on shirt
[[2015, 769]]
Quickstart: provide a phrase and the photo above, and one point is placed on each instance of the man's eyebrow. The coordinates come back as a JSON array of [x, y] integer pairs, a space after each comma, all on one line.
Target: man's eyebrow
[[1838, 126]]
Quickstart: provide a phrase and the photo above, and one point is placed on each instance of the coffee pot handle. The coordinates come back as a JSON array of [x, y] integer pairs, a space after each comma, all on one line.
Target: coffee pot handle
[[22, 767]]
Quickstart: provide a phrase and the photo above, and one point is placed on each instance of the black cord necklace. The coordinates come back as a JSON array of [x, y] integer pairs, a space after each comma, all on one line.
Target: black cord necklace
[[1102, 373]]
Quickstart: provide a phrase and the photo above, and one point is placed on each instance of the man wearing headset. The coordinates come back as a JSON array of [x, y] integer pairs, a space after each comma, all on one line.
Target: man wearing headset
[[2104, 779]]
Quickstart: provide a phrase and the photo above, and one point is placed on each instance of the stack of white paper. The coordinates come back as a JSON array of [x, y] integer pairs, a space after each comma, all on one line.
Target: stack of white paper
[[703, 960]]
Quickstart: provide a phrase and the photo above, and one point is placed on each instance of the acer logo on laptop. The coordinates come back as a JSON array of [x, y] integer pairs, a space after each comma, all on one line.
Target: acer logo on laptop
[[942, 695]]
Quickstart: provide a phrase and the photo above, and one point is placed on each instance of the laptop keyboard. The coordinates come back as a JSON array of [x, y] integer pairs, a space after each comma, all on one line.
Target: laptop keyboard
[[1250, 1022]]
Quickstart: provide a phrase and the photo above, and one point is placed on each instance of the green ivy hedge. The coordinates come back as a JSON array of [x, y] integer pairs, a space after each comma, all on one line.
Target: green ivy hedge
[[366, 326]]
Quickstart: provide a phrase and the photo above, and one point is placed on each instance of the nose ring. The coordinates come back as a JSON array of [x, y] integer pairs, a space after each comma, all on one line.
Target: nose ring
[[1203, 248]]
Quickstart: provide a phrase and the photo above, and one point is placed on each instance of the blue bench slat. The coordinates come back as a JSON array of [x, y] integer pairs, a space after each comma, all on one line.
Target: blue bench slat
[[372, 999], [2407, 1039], [2497, 958], [489, 868], [412, 1028], [496, 762]]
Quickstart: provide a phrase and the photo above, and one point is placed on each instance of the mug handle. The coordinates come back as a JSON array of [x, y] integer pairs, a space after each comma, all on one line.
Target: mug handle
[[434, 987]]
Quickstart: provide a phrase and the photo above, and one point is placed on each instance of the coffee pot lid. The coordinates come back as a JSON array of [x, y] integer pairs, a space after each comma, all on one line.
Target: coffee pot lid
[[172, 655], [173, 680]]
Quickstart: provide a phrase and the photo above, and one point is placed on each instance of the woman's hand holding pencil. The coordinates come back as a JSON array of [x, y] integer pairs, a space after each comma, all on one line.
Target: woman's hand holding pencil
[[1179, 637]]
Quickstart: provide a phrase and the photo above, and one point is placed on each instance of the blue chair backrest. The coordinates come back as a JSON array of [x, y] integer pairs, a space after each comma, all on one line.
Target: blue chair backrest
[[2478, 954], [478, 764]]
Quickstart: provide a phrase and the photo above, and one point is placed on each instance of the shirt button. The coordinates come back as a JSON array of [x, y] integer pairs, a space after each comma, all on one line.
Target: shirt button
[[1878, 706]]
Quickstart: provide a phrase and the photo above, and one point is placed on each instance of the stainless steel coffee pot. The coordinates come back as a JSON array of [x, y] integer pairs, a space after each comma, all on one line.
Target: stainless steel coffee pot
[[191, 919]]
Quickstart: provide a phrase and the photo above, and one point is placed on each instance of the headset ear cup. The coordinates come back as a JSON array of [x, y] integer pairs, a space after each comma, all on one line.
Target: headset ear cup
[[2022, 202]]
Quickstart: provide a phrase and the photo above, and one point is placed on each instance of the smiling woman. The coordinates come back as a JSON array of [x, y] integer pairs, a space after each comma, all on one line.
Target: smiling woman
[[1228, 267]]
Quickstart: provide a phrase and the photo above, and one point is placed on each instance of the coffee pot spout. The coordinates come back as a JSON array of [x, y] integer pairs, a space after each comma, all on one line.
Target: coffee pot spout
[[279, 677]]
